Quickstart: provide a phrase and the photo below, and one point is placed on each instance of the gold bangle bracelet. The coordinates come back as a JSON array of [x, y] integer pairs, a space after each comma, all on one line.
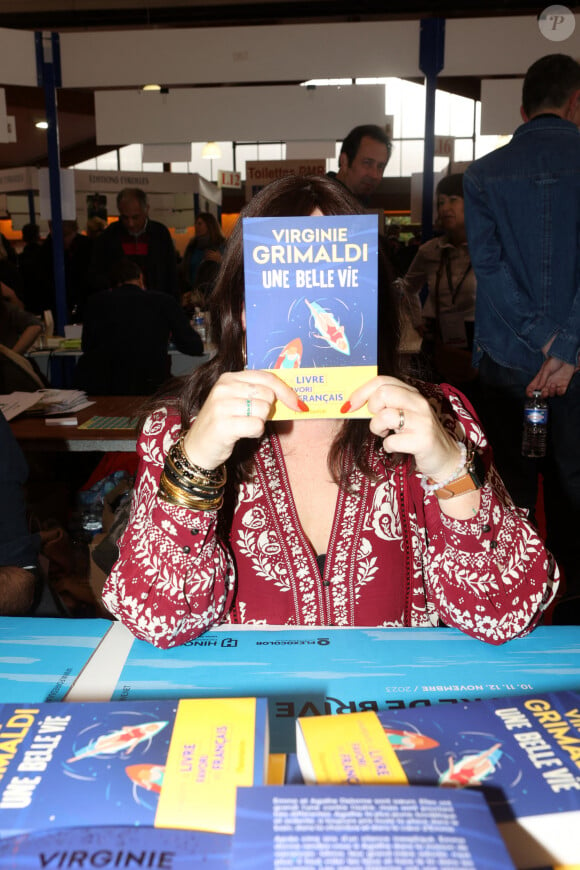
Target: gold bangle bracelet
[[191, 487], [172, 494]]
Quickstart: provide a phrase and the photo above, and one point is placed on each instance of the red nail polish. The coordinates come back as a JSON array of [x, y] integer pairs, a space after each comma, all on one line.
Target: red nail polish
[[345, 408], [302, 405]]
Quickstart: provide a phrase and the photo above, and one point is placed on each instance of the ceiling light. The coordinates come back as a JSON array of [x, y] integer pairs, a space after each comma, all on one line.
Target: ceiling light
[[211, 151], [42, 125], [151, 88]]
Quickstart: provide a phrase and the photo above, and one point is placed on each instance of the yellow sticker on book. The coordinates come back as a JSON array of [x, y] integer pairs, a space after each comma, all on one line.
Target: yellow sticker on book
[[346, 749], [210, 754], [325, 391]]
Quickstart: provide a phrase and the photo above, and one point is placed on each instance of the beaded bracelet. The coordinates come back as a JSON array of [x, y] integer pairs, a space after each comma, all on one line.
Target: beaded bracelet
[[433, 487], [177, 455]]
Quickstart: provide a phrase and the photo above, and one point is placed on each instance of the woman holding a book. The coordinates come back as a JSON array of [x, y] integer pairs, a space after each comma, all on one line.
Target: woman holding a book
[[400, 520]]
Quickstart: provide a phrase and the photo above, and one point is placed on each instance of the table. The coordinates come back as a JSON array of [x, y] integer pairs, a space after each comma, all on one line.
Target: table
[[33, 433], [57, 364], [302, 672]]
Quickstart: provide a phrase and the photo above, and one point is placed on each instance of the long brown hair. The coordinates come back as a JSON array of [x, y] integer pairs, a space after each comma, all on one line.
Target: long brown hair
[[288, 197]]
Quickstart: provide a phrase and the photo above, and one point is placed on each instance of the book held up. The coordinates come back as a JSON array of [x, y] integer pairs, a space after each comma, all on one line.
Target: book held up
[[311, 306]]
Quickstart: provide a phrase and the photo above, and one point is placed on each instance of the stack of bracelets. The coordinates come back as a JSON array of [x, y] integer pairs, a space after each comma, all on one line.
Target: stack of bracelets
[[187, 485]]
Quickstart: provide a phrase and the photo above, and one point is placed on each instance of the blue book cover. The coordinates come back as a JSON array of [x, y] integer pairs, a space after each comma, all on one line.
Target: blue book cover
[[522, 752], [41, 658], [103, 847], [167, 764], [324, 670], [365, 827], [311, 305]]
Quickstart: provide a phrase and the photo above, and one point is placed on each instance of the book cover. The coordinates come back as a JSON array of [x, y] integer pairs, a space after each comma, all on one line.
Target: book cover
[[311, 306], [40, 658], [165, 764], [108, 847], [521, 752], [365, 826], [310, 672], [346, 750]]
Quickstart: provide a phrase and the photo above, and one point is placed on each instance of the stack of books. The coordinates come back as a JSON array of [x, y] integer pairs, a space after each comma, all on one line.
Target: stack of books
[[52, 402]]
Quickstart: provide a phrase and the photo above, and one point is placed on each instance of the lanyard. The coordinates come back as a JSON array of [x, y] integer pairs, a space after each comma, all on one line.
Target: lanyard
[[446, 261]]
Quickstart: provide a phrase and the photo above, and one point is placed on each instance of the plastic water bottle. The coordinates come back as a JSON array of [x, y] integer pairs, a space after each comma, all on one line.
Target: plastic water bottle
[[199, 325], [535, 426]]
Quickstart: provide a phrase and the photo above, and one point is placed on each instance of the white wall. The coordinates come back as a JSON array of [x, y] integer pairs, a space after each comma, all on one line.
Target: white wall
[[279, 113], [290, 52], [18, 53], [499, 46]]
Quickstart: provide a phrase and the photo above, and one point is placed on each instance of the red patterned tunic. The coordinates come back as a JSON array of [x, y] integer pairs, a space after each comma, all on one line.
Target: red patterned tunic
[[394, 559]]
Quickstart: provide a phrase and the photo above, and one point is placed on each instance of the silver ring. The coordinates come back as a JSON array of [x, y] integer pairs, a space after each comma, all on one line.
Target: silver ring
[[401, 425], [248, 407]]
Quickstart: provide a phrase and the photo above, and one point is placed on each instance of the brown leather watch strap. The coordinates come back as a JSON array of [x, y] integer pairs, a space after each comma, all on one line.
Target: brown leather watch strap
[[468, 482]]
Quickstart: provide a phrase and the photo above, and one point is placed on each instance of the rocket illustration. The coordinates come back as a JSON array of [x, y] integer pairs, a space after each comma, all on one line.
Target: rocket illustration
[[472, 769], [148, 776], [290, 355], [126, 738], [409, 739], [329, 328]]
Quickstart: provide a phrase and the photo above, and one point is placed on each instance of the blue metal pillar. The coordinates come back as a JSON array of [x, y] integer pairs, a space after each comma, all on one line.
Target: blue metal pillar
[[431, 60], [49, 78]]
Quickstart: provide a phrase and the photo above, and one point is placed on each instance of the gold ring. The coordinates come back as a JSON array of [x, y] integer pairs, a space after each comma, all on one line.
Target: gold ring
[[401, 425]]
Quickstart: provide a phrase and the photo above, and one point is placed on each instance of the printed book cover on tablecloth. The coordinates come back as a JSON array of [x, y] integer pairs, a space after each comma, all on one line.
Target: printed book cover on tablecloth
[[311, 305], [521, 752], [325, 670], [365, 826], [168, 764], [89, 848], [40, 658]]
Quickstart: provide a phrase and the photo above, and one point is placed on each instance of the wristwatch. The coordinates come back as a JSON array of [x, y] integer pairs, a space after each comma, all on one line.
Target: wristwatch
[[473, 479]]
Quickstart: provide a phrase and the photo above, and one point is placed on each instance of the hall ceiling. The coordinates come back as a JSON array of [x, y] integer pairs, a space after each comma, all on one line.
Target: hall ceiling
[[76, 14], [76, 107]]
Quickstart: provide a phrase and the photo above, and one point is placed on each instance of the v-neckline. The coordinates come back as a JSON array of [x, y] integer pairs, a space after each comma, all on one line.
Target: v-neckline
[[282, 469]]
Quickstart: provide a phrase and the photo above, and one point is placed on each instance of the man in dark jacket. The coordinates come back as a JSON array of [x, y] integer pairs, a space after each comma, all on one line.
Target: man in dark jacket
[[126, 336], [138, 238]]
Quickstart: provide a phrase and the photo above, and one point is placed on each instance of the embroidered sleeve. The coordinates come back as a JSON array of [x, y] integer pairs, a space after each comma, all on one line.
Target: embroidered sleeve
[[490, 576], [173, 579]]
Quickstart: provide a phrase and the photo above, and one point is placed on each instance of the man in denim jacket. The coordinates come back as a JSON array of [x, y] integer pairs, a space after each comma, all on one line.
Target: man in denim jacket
[[522, 207]]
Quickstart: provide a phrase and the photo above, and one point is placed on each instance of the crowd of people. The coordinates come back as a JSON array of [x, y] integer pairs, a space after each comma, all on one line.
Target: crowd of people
[[420, 515]]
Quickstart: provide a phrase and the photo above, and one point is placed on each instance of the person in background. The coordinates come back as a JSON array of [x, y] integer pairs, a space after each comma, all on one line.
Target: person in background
[[95, 226], [363, 158], [19, 329], [77, 253], [19, 548], [201, 262], [126, 336], [522, 206], [9, 273], [444, 265], [135, 236], [28, 268], [400, 520]]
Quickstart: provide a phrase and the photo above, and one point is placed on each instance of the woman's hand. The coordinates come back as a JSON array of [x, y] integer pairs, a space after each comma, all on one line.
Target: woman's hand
[[405, 421], [213, 255], [237, 407]]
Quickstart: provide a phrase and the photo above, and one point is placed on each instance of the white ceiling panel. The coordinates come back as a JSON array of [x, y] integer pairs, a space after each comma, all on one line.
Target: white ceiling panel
[[278, 113]]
